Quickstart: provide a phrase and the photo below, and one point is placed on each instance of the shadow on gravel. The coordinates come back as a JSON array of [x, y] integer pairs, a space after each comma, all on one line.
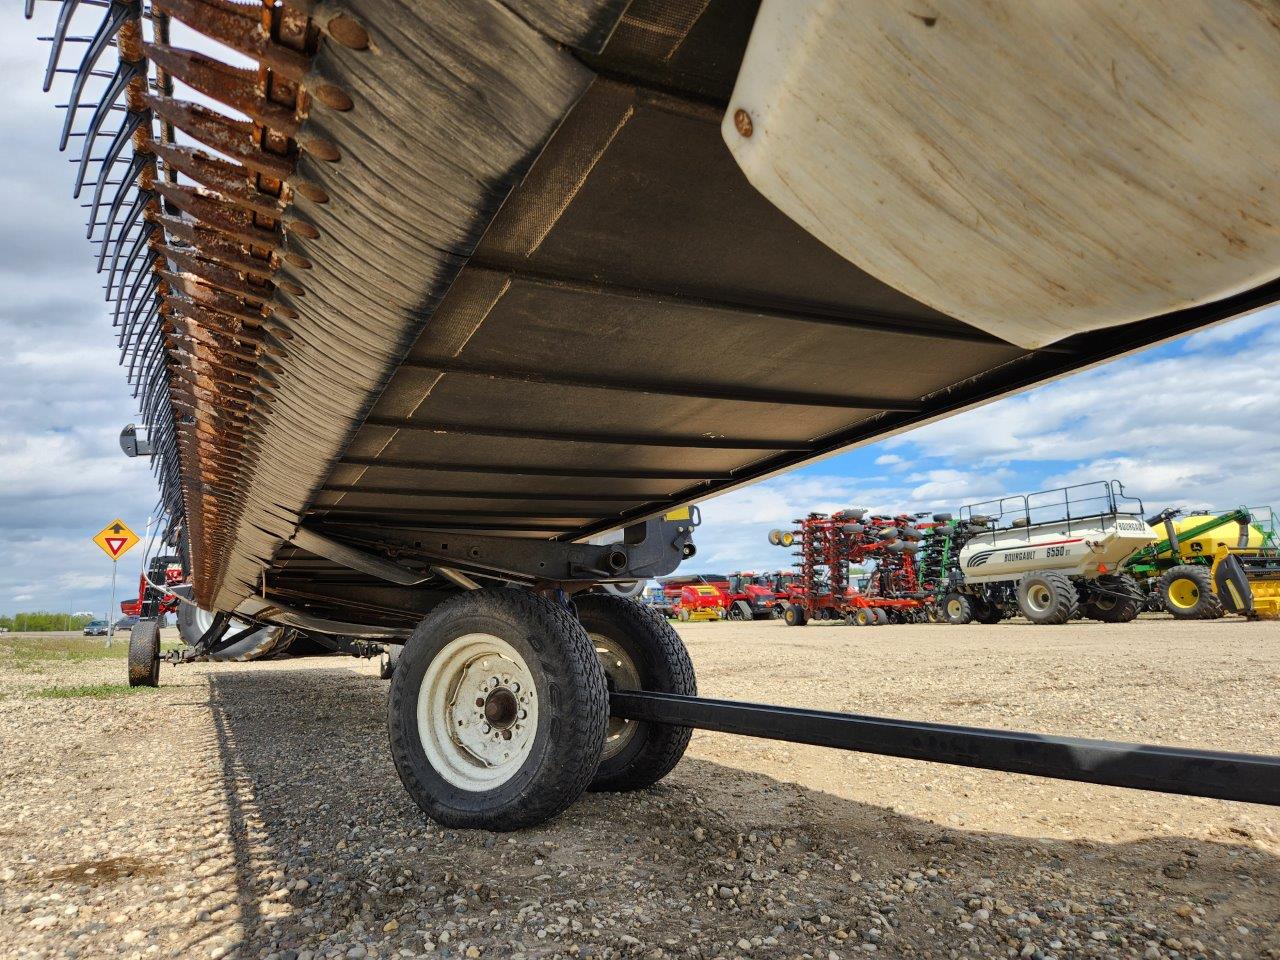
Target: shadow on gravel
[[711, 856]]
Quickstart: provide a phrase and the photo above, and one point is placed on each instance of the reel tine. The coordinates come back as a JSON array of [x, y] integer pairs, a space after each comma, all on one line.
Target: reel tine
[[126, 182], [131, 123], [59, 36], [139, 244], [139, 204], [152, 280], [124, 73], [110, 26]]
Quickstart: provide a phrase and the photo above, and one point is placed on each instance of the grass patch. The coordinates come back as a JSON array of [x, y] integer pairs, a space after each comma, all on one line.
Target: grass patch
[[34, 654], [25, 650], [96, 691]]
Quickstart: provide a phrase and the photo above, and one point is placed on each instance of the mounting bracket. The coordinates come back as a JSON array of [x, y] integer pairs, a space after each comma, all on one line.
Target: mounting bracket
[[649, 549]]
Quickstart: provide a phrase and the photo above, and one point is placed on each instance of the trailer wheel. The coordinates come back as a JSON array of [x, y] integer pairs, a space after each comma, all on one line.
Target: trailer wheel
[[1187, 592], [497, 710], [957, 609], [794, 616], [638, 651], [864, 617], [1048, 597], [1121, 602], [144, 654], [882, 616]]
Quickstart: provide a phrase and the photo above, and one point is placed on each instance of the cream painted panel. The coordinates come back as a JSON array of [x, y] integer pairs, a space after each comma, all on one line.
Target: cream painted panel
[[1035, 168]]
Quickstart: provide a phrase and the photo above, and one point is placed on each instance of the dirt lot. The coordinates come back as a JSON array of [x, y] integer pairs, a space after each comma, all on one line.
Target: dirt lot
[[252, 810]]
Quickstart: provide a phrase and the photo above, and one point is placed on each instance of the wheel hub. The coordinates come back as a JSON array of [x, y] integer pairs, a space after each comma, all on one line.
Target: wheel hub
[[620, 673], [1038, 598], [477, 712]]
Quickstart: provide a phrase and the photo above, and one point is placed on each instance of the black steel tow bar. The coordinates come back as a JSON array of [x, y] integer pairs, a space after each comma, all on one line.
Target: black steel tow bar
[[1201, 773]]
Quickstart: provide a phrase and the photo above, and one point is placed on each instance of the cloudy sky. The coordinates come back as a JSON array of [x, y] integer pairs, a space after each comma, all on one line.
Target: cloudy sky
[[1192, 422]]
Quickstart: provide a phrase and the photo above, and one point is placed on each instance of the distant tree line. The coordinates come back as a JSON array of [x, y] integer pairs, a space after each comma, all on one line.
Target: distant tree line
[[41, 621]]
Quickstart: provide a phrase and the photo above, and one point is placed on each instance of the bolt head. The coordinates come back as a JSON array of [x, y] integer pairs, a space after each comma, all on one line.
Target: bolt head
[[742, 122]]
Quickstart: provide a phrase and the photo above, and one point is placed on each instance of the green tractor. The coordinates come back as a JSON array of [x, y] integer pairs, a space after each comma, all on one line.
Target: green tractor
[[1180, 571]]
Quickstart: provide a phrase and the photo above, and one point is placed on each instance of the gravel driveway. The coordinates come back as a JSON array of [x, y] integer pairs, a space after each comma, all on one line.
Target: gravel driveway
[[252, 811]]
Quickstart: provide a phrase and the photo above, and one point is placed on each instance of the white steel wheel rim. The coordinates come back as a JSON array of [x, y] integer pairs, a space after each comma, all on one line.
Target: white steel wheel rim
[[1039, 597], [954, 609], [477, 712], [620, 674]]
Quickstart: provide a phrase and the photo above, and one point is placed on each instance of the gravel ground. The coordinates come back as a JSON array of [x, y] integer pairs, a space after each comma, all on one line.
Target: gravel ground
[[253, 811]]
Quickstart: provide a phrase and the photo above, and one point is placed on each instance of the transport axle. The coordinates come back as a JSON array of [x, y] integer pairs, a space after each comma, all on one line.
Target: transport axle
[[1200, 773]]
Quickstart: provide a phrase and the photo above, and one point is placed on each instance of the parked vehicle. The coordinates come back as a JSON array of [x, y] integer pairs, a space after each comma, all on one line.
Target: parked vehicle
[[95, 628], [1049, 555], [1207, 564]]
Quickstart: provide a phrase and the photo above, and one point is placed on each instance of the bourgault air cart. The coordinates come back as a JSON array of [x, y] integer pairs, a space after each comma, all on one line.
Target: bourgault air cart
[[1050, 556], [401, 318]]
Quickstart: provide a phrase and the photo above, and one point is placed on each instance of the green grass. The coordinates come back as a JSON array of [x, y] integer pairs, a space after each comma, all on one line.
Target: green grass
[[97, 691], [35, 654]]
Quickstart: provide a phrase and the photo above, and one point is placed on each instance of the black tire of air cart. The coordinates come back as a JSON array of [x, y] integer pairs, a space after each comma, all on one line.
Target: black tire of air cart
[[1064, 600], [985, 612], [144, 654], [573, 710], [663, 664], [1122, 602], [794, 616]]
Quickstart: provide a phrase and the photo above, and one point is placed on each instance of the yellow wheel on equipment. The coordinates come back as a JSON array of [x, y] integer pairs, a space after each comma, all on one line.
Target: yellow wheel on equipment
[[1183, 593]]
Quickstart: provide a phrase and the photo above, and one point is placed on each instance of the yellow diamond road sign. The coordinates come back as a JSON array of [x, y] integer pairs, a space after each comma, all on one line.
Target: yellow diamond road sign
[[115, 539]]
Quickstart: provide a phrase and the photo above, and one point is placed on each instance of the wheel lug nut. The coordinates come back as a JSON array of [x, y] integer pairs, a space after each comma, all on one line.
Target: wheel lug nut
[[485, 728], [522, 714]]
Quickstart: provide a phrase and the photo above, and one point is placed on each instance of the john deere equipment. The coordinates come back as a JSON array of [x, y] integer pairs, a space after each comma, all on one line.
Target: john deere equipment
[[1207, 565]]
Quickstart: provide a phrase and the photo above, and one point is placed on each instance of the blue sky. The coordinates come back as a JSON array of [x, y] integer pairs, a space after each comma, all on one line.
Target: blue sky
[[1192, 422]]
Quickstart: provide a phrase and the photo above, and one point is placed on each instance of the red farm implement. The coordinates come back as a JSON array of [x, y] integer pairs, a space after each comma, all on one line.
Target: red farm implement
[[830, 545]]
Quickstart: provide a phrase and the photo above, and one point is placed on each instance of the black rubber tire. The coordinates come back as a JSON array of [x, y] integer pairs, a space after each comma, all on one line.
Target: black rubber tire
[[1207, 604], [864, 617], [794, 616], [571, 723], [144, 654], [957, 609], [985, 612], [882, 616], [662, 662], [259, 645], [1122, 601], [1062, 603]]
